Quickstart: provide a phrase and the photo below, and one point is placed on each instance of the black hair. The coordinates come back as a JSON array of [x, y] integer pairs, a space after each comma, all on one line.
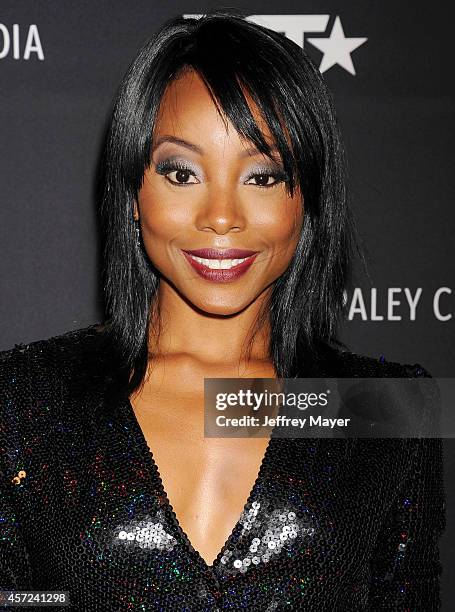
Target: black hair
[[232, 54]]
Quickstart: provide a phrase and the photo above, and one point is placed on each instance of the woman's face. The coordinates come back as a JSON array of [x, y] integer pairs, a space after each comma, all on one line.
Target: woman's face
[[206, 189]]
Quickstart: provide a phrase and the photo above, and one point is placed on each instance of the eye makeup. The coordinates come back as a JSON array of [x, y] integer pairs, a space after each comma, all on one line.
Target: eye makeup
[[275, 171], [173, 164]]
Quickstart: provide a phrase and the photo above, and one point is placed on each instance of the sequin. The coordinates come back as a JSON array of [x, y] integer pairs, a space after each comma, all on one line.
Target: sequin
[[90, 516], [146, 534], [271, 533]]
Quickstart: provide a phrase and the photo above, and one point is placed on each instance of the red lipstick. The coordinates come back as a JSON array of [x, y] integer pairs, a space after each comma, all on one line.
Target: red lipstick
[[219, 274]]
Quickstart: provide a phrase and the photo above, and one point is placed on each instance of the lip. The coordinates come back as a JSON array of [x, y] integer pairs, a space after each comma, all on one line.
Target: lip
[[218, 275], [220, 253]]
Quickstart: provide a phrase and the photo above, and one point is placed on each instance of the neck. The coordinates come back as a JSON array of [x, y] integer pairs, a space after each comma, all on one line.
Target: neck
[[178, 327]]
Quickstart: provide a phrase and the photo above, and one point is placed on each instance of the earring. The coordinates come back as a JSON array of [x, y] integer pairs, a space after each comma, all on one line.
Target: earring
[[137, 231]]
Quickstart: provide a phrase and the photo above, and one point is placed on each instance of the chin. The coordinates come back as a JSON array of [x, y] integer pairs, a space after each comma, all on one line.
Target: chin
[[221, 306]]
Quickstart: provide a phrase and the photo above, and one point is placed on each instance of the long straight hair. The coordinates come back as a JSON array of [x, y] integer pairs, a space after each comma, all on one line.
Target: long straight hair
[[231, 55]]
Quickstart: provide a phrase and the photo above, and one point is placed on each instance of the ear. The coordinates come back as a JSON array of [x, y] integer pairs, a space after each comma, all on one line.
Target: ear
[[135, 211]]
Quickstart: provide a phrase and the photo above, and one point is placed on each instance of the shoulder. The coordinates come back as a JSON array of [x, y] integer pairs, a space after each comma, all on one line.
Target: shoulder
[[48, 352], [338, 361], [40, 367], [406, 402], [47, 393]]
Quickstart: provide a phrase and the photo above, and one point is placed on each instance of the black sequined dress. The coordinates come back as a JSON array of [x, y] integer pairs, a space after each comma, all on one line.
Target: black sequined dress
[[330, 524]]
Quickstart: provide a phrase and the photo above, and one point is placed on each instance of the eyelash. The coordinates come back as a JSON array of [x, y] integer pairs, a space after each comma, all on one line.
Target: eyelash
[[166, 167]]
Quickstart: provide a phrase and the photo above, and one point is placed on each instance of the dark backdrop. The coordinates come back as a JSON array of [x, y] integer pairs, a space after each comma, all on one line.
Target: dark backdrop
[[390, 67]]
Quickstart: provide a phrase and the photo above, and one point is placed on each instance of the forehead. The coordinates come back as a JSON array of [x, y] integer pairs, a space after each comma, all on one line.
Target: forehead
[[187, 109]]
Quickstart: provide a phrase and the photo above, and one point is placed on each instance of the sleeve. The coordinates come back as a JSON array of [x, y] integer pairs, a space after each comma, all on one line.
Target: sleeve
[[15, 573], [405, 568]]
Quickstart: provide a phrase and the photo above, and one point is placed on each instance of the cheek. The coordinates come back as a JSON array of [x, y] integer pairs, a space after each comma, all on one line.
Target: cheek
[[163, 215], [283, 227]]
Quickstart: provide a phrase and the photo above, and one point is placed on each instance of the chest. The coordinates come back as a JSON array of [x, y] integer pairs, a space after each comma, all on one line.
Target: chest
[[329, 495], [207, 480]]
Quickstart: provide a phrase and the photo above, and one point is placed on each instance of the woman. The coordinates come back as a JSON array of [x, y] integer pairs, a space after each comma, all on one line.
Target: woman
[[228, 241]]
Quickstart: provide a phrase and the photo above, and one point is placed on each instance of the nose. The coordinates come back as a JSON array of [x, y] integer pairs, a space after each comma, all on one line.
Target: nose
[[221, 212]]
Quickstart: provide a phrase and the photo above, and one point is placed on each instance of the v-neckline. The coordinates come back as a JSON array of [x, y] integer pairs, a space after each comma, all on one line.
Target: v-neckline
[[154, 473]]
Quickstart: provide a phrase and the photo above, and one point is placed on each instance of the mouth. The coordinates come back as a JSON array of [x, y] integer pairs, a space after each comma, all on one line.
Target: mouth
[[220, 265], [212, 253]]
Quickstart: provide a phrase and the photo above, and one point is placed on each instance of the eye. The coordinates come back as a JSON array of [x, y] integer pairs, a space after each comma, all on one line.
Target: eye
[[182, 173], [263, 179]]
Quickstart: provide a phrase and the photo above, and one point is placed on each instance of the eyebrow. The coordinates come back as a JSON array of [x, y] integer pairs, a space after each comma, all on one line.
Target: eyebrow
[[252, 150]]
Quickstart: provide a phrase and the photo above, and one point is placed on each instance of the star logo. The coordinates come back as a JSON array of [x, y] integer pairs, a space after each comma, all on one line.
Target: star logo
[[337, 48]]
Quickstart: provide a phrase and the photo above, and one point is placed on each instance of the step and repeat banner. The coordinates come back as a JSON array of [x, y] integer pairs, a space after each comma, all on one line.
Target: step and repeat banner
[[390, 68]]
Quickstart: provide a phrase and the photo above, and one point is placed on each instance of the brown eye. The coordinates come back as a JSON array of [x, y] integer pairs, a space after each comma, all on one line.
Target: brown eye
[[263, 179], [181, 174], [269, 179]]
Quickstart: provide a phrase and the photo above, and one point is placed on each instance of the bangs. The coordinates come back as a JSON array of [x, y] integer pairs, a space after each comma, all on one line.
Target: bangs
[[228, 95]]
